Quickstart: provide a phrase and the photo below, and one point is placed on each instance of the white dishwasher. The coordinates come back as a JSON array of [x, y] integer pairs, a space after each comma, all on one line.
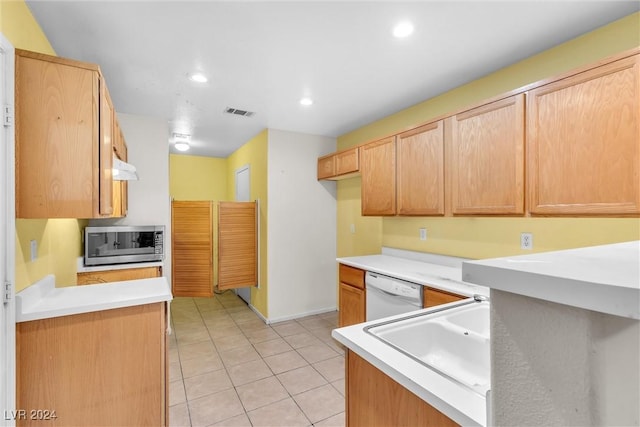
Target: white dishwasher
[[387, 296]]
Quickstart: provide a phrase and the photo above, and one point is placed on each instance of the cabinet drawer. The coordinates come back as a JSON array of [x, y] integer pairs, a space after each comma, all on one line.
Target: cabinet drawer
[[352, 276], [118, 275], [433, 297]]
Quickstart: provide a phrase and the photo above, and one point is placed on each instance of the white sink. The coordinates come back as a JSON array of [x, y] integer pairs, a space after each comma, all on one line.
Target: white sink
[[454, 342]]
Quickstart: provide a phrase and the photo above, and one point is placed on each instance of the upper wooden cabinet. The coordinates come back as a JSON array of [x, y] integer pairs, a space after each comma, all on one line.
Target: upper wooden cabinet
[[584, 142], [378, 170], [64, 130], [120, 188], [339, 165], [487, 159], [420, 170]]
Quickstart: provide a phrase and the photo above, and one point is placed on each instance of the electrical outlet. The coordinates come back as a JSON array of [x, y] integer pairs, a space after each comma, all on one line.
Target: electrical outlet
[[526, 241], [34, 249], [423, 234], [352, 228]]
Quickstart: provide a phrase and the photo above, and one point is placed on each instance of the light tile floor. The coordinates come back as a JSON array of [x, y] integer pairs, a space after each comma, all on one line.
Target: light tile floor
[[228, 368]]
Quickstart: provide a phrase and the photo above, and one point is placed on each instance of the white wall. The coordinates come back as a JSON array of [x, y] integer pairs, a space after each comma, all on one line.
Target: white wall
[[558, 365], [302, 227], [149, 201]]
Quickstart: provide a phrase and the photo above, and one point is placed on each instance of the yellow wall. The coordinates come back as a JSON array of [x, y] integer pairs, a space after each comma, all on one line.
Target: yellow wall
[[486, 237], [18, 25], [59, 240], [254, 154], [197, 178]]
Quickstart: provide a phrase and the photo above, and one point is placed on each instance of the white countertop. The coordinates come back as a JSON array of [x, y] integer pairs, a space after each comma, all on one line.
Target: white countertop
[[603, 278], [456, 401], [43, 300], [444, 277], [81, 268]]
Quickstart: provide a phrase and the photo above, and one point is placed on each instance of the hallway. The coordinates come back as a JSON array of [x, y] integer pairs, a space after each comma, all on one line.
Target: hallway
[[228, 368]]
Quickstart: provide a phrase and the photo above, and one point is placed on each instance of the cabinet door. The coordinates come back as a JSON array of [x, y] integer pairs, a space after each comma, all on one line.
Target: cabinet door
[[433, 297], [56, 139], [378, 169], [120, 188], [106, 152], [487, 159], [347, 161], [103, 368], [352, 305], [584, 142], [376, 400], [420, 171], [326, 167], [91, 278]]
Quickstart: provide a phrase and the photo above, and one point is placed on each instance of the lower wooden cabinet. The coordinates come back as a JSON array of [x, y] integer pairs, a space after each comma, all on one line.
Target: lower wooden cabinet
[[352, 296], [433, 297], [92, 278], [374, 399], [352, 305], [105, 368]]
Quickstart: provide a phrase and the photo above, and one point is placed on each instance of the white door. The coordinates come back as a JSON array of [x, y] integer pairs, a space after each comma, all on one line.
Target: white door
[[7, 235], [243, 194]]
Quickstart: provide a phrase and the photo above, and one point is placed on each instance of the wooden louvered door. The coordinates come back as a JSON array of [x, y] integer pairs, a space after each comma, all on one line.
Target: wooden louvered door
[[192, 248], [237, 245]]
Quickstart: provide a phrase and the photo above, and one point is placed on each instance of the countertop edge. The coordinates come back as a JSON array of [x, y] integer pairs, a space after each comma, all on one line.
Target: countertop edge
[[447, 284], [81, 268], [604, 298], [43, 301], [407, 381]]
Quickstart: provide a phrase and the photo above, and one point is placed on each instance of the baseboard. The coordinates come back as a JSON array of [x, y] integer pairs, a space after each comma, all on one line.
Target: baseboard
[[297, 316]]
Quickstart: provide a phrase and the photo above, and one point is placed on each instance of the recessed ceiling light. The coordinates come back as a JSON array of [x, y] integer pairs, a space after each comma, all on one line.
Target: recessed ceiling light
[[403, 29], [181, 146], [198, 77], [306, 101], [181, 141]]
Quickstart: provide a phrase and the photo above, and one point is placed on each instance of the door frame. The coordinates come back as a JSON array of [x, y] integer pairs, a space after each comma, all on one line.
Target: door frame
[[7, 234]]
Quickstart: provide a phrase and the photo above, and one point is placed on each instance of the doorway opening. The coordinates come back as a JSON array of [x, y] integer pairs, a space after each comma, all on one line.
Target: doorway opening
[[243, 194]]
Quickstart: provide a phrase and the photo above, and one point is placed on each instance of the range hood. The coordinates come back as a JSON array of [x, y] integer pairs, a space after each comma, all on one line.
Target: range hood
[[123, 171]]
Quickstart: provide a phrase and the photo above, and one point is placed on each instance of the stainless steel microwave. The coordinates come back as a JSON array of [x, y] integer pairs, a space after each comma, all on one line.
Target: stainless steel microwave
[[123, 244]]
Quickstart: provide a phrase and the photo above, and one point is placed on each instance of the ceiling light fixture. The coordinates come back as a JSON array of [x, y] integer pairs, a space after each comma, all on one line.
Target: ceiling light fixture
[[181, 141], [403, 29], [198, 77], [306, 101]]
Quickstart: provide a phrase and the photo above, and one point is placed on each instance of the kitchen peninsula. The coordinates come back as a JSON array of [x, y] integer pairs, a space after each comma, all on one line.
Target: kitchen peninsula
[[565, 335], [103, 344]]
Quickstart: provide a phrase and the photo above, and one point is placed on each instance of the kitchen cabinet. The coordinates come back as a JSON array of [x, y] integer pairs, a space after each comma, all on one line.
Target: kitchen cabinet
[[486, 159], [106, 368], [404, 174], [64, 130], [432, 297], [120, 188], [352, 297], [584, 144], [420, 170], [378, 170], [105, 276], [374, 399], [343, 164]]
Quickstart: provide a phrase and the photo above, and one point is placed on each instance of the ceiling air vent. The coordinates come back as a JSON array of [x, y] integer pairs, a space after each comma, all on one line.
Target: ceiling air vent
[[238, 112]]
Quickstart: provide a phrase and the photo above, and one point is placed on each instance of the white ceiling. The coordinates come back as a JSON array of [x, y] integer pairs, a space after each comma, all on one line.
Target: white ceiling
[[263, 56]]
